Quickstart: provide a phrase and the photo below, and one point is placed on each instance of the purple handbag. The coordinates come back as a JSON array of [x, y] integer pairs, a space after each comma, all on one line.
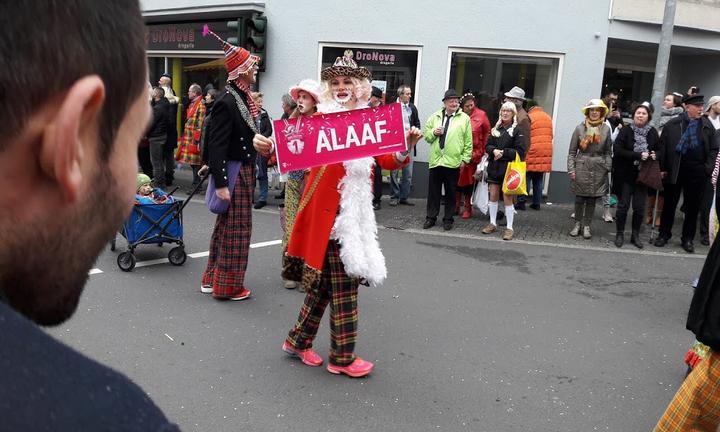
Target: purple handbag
[[215, 204]]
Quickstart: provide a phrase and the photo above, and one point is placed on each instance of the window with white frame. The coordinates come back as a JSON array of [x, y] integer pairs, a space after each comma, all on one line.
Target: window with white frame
[[391, 66], [489, 75]]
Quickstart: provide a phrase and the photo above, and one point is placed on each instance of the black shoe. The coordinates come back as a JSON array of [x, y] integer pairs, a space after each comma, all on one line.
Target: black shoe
[[619, 239], [705, 241], [635, 239], [406, 202], [260, 204], [660, 241], [535, 206], [520, 206], [376, 206], [429, 223], [447, 226], [688, 246]]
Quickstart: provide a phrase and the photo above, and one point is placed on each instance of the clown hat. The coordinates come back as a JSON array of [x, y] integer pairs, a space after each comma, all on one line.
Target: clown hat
[[237, 60], [307, 85], [345, 66]]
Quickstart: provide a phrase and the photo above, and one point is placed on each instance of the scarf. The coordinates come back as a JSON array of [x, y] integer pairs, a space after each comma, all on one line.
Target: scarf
[[592, 133], [193, 107], [641, 144], [250, 101], [689, 139]]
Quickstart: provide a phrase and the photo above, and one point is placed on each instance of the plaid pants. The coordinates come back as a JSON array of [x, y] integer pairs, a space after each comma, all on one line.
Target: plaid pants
[[230, 241], [696, 405], [340, 291]]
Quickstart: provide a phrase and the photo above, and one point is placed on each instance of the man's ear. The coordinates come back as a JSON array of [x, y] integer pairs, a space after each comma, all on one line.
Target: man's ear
[[69, 133]]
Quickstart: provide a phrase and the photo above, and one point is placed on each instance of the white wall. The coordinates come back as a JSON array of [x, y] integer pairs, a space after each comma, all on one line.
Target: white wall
[[296, 29]]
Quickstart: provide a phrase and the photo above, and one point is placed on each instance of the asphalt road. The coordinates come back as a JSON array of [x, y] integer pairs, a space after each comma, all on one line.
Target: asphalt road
[[467, 334]]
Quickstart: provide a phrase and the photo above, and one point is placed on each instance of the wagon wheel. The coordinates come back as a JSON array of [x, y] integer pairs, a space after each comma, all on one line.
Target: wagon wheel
[[126, 261], [177, 256]]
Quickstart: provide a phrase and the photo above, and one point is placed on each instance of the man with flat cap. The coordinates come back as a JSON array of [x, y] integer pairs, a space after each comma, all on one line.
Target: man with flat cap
[[688, 148], [449, 134]]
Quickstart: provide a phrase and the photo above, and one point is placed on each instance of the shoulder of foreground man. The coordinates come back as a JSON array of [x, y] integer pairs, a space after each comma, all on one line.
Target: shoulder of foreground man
[[48, 386]]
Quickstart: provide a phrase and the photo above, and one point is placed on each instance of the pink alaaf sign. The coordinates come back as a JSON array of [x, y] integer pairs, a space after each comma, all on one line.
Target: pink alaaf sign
[[331, 138]]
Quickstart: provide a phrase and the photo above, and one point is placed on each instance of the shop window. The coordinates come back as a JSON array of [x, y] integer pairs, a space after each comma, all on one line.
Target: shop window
[[390, 67], [489, 76]]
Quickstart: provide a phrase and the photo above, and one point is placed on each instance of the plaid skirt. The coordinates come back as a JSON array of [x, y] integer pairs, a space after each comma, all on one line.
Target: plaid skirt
[[230, 241]]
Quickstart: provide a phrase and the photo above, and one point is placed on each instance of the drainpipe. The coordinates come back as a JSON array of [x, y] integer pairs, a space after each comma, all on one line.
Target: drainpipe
[[663, 56]]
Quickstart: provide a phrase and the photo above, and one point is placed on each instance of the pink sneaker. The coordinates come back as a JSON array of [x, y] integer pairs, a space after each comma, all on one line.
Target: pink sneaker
[[308, 356], [357, 369]]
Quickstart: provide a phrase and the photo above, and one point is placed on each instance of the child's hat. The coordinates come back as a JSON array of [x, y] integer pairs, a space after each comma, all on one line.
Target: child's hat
[[142, 180]]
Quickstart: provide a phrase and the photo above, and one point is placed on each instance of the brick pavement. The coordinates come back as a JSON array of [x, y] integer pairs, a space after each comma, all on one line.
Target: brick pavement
[[550, 224]]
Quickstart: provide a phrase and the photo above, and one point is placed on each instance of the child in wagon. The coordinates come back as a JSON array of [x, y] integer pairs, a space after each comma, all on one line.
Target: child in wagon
[[147, 194]]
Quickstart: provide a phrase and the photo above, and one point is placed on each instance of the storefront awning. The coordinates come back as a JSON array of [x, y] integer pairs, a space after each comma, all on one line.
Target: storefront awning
[[214, 64]]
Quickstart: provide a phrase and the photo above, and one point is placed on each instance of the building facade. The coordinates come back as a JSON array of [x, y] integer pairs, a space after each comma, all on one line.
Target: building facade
[[561, 53]]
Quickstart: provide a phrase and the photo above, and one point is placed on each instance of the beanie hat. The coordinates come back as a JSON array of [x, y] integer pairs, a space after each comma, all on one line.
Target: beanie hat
[[142, 180]]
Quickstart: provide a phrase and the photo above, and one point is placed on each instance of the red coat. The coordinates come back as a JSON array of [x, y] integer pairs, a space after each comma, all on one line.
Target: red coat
[[319, 205], [539, 156], [480, 132]]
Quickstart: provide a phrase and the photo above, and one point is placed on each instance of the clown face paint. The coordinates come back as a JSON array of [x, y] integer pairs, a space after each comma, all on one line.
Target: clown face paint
[[342, 89], [305, 103]]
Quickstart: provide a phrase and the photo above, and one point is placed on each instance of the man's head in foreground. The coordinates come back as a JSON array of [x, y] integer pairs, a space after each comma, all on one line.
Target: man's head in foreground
[[71, 141]]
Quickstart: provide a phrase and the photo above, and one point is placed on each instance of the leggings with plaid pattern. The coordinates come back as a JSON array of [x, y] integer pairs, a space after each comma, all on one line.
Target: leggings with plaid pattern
[[340, 291], [696, 405]]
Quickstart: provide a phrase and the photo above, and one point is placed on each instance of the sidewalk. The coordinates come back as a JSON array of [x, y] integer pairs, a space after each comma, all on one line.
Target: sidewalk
[[550, 224]]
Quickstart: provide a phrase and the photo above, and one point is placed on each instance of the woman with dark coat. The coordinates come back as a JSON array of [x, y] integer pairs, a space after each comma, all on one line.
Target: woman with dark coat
[[505, 142], [633, 146]]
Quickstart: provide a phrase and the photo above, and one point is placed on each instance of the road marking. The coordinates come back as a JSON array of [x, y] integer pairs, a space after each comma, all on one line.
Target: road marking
[[192, 255], [265, 244], [199, 254], [545, 244], [151, 262]]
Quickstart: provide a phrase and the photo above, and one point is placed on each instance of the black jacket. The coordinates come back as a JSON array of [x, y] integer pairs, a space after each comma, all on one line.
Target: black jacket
[[704, 316], [510, 145], [230, 137], [264, 123], [414, 121], [204, 134], [672, 132], [48, 386], [160, 119], [626, 162]]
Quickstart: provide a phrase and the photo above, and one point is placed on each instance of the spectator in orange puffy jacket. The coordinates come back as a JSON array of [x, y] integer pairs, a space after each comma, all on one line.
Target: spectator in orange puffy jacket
[[539, 156]]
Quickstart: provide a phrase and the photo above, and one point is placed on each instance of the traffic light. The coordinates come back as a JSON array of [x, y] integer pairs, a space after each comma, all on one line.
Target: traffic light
[[238, 26], [256, 37]]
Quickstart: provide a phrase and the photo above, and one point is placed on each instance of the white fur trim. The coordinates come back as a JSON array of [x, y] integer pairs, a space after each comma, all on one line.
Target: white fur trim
[[355, 227]]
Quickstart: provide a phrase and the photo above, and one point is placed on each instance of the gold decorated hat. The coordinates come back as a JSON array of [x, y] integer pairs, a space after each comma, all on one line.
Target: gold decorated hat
[[345, 66]]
